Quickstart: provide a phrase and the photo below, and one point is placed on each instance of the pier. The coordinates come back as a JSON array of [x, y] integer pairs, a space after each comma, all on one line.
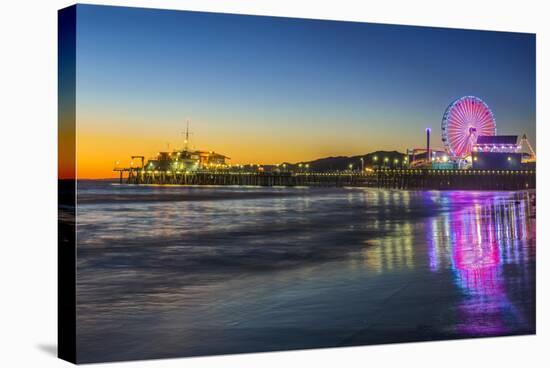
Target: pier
[[425, 179]]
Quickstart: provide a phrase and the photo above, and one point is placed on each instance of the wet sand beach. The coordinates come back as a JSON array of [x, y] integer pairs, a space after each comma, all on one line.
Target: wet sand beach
[[186, 271]]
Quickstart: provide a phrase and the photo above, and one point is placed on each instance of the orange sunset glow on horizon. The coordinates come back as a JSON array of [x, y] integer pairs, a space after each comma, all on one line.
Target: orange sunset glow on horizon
[[98, 152]]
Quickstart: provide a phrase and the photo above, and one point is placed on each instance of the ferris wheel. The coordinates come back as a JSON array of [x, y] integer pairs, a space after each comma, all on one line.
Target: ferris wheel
[[463, 121]]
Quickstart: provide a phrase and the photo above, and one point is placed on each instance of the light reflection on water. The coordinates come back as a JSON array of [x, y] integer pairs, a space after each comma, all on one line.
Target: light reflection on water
[[177, 271], [483, 239]]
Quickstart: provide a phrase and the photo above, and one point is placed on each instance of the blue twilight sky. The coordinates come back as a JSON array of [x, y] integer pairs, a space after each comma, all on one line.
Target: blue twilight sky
[[304, 88]]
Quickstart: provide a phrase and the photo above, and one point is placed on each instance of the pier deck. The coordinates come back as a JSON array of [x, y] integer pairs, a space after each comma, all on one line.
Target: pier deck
[[394, 178]]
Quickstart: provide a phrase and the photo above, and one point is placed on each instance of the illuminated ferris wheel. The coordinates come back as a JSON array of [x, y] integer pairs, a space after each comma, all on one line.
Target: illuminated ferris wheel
[[464, 120]]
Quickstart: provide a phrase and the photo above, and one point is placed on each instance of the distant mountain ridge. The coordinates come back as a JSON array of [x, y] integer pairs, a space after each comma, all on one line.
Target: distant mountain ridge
[[342, 162]]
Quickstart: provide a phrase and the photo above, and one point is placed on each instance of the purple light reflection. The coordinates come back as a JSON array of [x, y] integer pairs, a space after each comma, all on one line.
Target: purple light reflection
[[478, 241]]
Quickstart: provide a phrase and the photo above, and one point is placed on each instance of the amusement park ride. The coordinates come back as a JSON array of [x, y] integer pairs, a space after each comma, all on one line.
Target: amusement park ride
[[469, 137]]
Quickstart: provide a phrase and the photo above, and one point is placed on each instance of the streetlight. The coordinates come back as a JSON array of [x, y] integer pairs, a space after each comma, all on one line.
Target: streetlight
[[362, 164], [350, 166], [386, 161]]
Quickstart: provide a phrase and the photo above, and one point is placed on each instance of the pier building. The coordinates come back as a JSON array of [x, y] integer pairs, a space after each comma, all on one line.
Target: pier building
[[497, 152]]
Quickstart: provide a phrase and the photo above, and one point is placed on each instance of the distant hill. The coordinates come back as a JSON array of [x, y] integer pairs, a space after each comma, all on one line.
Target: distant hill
[[342, 162]]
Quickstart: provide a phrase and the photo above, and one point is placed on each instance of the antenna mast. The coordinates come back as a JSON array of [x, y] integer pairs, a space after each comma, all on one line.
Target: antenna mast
[[187, 136]]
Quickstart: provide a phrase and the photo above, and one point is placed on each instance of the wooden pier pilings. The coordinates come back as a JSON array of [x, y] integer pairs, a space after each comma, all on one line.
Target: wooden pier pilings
[[395, 178], [457, 179]]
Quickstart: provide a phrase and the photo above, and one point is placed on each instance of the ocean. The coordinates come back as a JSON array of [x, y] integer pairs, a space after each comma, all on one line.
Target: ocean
[[169, 271]]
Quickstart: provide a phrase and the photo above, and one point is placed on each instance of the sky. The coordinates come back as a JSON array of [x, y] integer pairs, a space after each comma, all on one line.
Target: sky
[[269, 90]]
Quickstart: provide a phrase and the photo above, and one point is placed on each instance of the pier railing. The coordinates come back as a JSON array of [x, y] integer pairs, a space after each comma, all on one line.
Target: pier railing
[[382, 178]]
